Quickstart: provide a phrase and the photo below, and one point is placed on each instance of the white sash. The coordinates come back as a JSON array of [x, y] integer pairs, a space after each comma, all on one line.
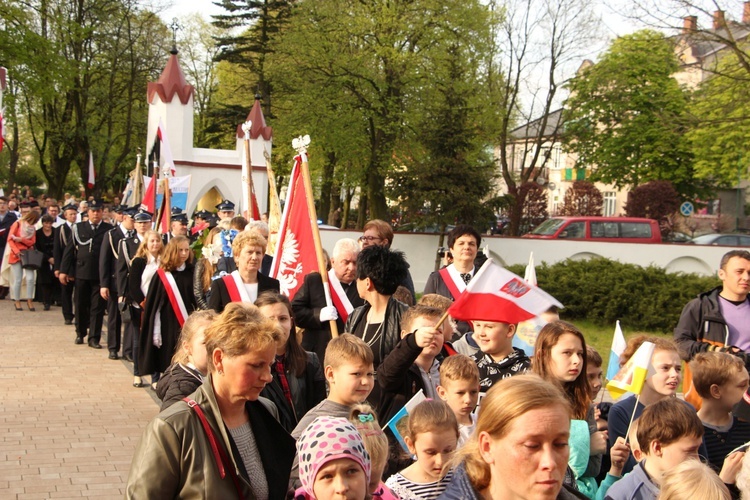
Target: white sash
[[457, 279], [336, 288], [177, 296], [241, 287]]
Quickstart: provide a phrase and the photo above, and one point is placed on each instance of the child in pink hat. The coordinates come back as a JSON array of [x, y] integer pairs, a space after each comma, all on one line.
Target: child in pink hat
[[333, 462]]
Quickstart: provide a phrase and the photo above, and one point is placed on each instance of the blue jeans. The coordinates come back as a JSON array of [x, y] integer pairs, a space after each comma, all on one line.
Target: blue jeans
[[17, 275]]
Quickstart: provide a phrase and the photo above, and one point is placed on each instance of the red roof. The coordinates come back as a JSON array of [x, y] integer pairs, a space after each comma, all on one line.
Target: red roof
[[172, 81], [259, 124]]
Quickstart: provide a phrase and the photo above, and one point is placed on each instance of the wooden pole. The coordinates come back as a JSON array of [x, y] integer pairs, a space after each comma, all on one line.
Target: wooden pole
[[315, 231]]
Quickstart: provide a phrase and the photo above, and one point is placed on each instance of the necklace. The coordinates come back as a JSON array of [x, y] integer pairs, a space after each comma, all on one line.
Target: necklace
[[375, 335]]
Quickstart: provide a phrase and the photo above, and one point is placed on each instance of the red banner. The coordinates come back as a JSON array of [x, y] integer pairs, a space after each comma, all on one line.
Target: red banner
[[295, 251]]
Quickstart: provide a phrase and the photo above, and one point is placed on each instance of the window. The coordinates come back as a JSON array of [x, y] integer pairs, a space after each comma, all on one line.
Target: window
[[609, 207], [635, 230], [605, 230], [574, 230]]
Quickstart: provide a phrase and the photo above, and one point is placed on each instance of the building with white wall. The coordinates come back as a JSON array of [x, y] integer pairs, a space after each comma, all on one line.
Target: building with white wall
[[216, 173]]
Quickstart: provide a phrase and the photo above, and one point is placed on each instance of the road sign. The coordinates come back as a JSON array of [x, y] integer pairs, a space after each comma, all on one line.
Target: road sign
[[687, 209]]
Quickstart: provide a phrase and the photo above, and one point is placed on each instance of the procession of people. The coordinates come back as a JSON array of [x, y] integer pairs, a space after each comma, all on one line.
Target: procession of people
[[269, 396]]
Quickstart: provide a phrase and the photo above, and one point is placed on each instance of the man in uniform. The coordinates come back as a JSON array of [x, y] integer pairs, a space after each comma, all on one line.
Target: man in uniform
[[309, 304], [62, 236], [107, 284], [128, 248], [225, 210], [82, 255], [177, 226]]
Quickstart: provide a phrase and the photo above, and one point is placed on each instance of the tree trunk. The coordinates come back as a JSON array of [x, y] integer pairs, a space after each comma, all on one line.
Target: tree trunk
[[362, 216]]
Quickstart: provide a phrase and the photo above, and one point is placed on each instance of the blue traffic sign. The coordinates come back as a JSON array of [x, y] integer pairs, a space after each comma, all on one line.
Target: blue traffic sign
[[687, 209]]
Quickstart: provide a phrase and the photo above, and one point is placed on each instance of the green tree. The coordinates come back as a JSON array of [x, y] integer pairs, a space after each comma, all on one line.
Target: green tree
[[370, 62], [626, 117], [720, 136], [81, 69]]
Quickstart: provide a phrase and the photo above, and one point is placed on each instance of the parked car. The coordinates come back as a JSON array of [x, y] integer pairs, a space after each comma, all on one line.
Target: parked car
[[678, 237], [730, 240], [613, 229]]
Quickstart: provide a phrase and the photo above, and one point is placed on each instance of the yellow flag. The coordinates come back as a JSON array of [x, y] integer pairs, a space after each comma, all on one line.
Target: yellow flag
[[632, 376]]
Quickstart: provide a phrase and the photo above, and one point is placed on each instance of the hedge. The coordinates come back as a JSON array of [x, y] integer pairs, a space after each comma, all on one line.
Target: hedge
[[603, 291]]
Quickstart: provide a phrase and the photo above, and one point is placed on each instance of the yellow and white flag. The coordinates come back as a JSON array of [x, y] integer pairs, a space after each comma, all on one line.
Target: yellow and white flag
[[633, 375]]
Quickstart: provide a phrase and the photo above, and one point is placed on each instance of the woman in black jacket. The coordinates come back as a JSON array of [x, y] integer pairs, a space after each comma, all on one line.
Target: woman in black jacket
[[45, 277], [298, 384], [246, 283], [142, 270]]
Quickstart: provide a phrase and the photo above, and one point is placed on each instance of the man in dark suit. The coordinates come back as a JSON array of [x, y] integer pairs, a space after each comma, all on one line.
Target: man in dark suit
[[107, 282], [7, 218], [128, 248], [82, 256], [62, 236], [309, 303]]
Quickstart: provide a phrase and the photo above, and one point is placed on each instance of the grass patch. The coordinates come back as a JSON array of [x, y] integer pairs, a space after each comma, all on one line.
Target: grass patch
[[600, 337]]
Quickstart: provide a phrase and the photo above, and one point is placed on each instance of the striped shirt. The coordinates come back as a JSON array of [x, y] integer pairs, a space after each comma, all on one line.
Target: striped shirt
[[406, 489]]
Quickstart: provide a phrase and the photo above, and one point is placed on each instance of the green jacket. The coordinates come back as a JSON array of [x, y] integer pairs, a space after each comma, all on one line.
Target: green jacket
[[174, 457]]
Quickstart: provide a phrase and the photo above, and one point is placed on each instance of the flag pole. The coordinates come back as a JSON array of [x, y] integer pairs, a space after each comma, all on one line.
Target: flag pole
[[300, 144], [247, 180], [632, 416]]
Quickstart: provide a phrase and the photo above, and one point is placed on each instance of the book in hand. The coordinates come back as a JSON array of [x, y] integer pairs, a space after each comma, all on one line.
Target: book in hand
[[400, 420]]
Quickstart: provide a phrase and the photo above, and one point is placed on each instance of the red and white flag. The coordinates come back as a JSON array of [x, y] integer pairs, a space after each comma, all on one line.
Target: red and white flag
[[496, 294], [295, 251], [92, 175], [149, 197], [165, 151]]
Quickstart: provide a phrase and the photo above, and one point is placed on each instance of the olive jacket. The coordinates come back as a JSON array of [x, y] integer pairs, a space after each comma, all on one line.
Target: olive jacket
[[174, 457]]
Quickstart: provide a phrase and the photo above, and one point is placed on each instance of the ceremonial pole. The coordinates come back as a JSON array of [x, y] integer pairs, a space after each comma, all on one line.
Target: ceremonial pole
[[247, 179], [300, 144]]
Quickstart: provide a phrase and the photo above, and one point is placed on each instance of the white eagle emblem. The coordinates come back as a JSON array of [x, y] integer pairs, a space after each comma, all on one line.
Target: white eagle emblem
[[290, 265]]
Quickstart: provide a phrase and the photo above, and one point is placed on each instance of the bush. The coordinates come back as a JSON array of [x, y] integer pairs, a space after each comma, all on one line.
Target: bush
[[603, 291]]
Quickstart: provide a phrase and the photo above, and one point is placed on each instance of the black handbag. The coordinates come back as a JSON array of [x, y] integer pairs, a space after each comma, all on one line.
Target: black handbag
[[32, 259]]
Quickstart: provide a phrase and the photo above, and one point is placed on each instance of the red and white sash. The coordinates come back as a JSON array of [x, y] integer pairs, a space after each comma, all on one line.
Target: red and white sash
[[236, 288], [178, 305], [453, 280], [338, 296]]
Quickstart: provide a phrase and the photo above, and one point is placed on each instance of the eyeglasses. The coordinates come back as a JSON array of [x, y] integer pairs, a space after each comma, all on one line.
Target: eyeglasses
[[369, 239]]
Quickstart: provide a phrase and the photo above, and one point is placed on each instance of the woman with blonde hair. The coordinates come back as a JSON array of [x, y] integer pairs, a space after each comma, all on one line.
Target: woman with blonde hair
[[22, 236], [169, 302], [520, 445], [142, 269], [246, 283], [224, 442]]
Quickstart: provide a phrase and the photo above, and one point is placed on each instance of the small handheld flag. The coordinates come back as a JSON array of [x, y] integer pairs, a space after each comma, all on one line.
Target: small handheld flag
[[633, 375], [618, 346], [92, 175]]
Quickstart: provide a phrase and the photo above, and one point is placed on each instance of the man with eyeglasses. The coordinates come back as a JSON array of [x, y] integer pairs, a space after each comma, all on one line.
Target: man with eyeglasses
[[379, 232]]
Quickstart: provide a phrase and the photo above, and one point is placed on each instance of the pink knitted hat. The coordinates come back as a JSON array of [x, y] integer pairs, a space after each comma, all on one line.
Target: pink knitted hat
[[327, 439]]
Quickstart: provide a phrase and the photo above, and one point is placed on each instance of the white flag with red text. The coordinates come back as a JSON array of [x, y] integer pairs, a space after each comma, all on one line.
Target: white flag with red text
[[295, 251]]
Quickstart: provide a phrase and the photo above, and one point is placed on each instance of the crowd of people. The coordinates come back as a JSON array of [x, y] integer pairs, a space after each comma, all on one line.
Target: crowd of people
[[261, 400]]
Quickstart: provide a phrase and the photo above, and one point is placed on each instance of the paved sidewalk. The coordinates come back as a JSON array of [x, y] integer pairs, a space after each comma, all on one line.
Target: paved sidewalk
[[69, 417]]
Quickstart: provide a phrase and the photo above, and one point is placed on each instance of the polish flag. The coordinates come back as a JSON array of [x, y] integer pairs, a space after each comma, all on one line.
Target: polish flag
[[496, 294], [92, 175], [295, 251]]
